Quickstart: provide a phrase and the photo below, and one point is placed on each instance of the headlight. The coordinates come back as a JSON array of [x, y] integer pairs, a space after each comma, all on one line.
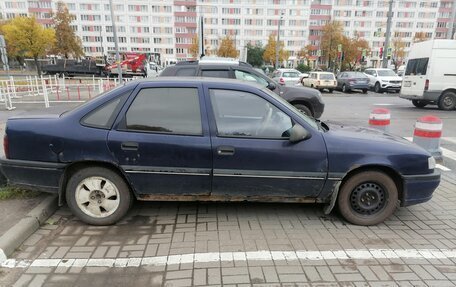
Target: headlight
[[431, 162]]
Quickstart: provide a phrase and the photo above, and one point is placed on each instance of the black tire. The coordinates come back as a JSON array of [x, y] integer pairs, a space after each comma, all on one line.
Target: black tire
[[364, 91], [303, 109], [302, 83], [419, 104], [344, 89], [447, 101], [124, 194], [377, 88], [356, 193], [330, 90]]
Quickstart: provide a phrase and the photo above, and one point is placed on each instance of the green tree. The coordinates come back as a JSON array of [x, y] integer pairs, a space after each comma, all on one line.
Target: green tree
[[26, 37], [269, 54], [227, 48], [303, 68], [332, 35], [67, 43], [255, 55]]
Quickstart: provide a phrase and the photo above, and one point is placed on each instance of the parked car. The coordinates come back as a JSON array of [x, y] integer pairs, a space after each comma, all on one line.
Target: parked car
[[287, 76], [383, 80], [349, 81], [171, 139], [321, 81], [306, 100], [400, 70], [430, 76]]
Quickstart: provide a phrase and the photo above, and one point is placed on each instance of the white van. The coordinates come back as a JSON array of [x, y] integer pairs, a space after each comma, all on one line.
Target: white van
[[430, 74]]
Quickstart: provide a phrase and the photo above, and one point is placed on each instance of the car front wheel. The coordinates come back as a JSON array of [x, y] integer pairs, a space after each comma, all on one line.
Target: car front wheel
[[303, 109], [368, 198], [447, 101], [98, 196]]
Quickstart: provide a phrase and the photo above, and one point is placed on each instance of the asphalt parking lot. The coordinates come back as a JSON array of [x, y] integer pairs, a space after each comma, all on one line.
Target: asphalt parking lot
[[244, 244]]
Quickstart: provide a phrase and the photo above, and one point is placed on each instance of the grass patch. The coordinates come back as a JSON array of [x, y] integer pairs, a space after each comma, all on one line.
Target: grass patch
[[10, 192]]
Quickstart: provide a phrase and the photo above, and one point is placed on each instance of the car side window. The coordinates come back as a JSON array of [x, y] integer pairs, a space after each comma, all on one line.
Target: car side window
[[246, 76], [215, 73], [242, 114], [186, 72], [104, 116], [165, 110]]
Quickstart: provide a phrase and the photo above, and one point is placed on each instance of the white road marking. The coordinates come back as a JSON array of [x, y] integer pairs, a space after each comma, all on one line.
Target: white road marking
[[384, 104], [263, 255], [450, 139], [442, 167]]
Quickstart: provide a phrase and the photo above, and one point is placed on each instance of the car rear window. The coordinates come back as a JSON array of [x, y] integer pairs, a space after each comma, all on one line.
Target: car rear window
[[326, 77], [290, 75], [417, 67]]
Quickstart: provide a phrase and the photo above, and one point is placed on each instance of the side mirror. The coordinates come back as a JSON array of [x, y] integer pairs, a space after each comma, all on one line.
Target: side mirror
[[298, 133], [271, 86]]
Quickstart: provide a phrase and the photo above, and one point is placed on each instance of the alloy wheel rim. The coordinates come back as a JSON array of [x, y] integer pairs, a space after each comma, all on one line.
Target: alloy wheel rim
[[97, 197], [368, 198], [448, 101]]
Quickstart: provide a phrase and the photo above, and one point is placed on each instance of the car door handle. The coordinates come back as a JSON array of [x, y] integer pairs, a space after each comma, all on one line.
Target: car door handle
[[225, 150], [129, 146]]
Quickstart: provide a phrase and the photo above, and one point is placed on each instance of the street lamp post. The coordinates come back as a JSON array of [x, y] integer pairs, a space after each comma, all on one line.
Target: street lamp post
[[116, 42], [278, 41], [388, 32]]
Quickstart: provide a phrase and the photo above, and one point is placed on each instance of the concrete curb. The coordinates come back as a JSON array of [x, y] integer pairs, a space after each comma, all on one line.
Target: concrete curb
[[17, 234]]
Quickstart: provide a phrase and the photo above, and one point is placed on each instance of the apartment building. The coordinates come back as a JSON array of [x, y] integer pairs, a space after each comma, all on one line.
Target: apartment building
[[168, 26]]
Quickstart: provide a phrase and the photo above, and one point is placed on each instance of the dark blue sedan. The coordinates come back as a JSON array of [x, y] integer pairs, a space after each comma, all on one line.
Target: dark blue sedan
[[211, 140]]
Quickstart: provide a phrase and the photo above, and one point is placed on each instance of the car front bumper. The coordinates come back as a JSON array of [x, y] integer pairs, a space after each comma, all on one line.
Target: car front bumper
[[419, 188], [390, 86], [42, 176]]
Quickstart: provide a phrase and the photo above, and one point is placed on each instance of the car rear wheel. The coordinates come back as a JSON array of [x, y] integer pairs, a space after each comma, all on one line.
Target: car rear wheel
[[303, 109], [98, 196], [377, 88], [344, 89], [368, 198], [419, 104], [447, 101], [330, 91], [364, 91]]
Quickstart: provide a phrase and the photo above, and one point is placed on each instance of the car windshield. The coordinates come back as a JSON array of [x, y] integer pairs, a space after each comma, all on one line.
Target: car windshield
[[326, 77], [308, 120], [386, 73]]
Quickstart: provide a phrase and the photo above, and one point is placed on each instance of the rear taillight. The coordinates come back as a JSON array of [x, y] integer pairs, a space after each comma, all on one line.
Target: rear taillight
[[282, 81], [318, 83], [335, 82], [426, 85], [6, 146]]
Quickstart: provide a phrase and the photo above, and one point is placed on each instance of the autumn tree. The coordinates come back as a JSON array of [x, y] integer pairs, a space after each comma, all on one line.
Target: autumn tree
[[305, 52], [332, 35], [194, 48], [269, 54], [352, 51], [26, 37], [67, 43], [227, 48], [419, 37], [398, 52], [255, 55]]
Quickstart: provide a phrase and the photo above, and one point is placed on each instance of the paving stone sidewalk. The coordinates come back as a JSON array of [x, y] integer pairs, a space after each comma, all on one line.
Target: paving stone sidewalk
[[163, 230]]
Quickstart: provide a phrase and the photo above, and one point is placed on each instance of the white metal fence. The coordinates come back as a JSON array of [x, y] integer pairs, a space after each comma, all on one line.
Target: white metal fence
[[46, 90]]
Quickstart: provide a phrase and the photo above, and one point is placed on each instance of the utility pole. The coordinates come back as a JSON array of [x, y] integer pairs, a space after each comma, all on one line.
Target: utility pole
[[116, 42], [388, 32], [278, 42]]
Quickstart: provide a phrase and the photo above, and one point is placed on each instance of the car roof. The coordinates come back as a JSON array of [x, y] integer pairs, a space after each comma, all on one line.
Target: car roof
[[196, 80], [287, 70]]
